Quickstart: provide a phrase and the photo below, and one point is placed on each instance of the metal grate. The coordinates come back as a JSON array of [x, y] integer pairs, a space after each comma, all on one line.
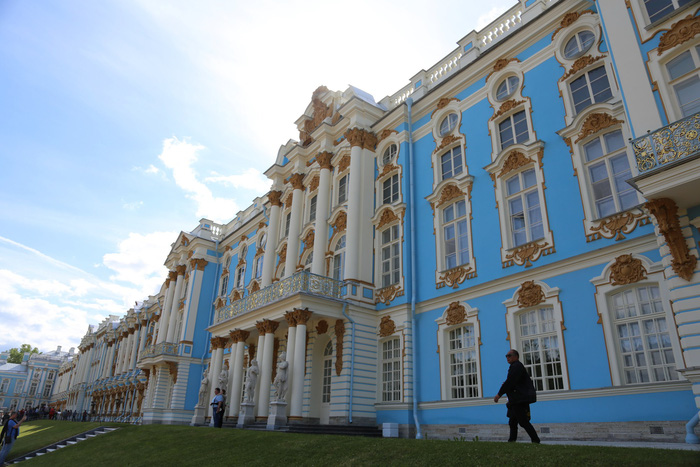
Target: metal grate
[[656, 430], [544, 430], [462, 430]]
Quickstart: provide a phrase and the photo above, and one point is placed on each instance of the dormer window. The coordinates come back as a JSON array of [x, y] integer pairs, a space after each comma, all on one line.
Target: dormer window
[[448, 124], [578, 44]]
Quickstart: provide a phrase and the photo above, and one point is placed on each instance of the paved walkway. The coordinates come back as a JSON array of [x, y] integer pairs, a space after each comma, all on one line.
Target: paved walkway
[[629, 444]]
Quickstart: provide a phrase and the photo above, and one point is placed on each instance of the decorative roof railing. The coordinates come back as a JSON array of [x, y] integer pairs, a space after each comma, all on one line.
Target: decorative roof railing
[[668, 144], [470, 47], [302, 281]]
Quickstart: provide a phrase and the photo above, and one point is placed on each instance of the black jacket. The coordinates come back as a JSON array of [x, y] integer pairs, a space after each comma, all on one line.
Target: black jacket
[[518, 385]]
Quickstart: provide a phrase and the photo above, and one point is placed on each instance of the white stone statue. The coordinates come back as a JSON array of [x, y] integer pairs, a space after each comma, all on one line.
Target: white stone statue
[[204, 390], [251, 381], [223, 378], [281, 382]]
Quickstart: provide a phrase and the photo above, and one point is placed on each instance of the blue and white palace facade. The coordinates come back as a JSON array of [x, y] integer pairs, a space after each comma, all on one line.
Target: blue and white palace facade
[[537, 189]]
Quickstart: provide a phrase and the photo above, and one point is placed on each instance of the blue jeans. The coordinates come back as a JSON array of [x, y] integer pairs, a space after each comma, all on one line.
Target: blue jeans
[[5, 450]]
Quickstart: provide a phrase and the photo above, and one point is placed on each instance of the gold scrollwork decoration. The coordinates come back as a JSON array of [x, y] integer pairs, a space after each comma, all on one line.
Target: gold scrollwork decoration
[[387, 326], [617, 225], [680, 32], [627, 270], [528, 253]]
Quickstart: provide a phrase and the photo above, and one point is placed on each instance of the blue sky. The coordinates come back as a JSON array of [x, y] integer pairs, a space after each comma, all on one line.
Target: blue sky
[[123, 122]]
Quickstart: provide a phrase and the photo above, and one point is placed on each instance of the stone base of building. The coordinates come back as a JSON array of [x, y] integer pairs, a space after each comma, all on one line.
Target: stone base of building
[[657, 432], [200, 415], [167, 417]]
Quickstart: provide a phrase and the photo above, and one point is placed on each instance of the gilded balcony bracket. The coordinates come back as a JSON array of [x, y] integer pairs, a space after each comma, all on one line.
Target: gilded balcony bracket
[[666, 213]]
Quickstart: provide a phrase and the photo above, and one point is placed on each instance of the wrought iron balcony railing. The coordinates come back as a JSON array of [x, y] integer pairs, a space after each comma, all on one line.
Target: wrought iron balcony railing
[[164, 348], [668, 144], [302, 281]]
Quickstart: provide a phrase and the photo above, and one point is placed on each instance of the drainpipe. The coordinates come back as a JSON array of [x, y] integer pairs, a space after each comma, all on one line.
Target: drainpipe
[[412, 208], [352, 359], [690, 436]]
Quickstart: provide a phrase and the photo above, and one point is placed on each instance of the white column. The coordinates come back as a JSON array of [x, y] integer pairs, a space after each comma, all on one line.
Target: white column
[[175, 308], [237, 382], [165, 311], [301, 317], [273, 231], [352, 237], [291, 339], [217, 360], [322, 207], [259, 356], [290, 265], [629, 65], [266, 368], [144, 331], [134, 349]]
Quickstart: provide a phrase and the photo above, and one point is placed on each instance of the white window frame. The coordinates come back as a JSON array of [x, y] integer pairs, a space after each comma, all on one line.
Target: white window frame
[[517, 137], [313, 205], [388, 217], [646, 27], [501, 170], [448, 143], [551, 301], [397, 361], [471, 318], [19, 386], [5, 385], [343, 187], [604, 290], [338, 258], [394, 243], [659, 72], [447, 194]]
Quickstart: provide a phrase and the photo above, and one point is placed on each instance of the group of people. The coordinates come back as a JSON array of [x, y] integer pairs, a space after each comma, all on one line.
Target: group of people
[[10, 432]]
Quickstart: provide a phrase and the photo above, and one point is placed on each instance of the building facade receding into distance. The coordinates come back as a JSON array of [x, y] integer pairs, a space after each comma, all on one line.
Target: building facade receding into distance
[[537, 189]]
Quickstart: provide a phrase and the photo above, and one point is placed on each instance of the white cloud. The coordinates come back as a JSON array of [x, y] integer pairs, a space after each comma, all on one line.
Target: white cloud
[[252, 179], [134, 205]]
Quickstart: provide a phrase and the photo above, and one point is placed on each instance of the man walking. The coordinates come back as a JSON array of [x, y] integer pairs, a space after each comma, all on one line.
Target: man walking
[[10, 432], [521, 393]]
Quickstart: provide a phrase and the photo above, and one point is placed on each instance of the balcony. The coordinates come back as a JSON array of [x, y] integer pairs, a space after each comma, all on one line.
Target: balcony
[[164, 348], [301, 282], [668, 160]]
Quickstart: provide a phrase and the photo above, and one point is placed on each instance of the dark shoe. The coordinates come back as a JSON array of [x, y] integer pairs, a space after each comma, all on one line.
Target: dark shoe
[[535, 441], [512, 440]]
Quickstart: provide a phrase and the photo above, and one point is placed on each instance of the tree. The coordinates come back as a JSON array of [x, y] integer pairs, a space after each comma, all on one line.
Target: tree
[[16, 355]]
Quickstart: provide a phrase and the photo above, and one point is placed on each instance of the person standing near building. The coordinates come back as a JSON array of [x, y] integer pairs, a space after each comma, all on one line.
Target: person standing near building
[[521, 393], [217, 408], [10, 432]]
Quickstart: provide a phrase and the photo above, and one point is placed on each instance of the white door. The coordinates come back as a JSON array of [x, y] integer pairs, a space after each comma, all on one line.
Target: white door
[[326, 384]]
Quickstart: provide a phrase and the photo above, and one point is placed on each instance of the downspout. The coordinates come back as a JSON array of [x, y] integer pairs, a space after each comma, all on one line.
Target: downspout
[[352, 359], [412, 209], [690, 436]]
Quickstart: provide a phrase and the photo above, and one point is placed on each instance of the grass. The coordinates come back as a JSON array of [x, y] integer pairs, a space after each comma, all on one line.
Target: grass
[[184, 445]]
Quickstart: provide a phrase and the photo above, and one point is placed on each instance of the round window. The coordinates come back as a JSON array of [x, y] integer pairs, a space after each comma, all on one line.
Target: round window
[[389, 154], [578, 45], [448, 124], [507, 88]]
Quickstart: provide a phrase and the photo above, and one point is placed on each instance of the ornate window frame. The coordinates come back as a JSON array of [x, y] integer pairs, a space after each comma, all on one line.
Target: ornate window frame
[[661, 56], [239, 274], [387, 171], [449, 141], [386, 331], [647, 30], [533, 295], [623, 272], [446, 194], [456, 315], [509, 163], [592, 123], [307, 241], [341, 164], [572, 24], [506, 109], [386, 218]]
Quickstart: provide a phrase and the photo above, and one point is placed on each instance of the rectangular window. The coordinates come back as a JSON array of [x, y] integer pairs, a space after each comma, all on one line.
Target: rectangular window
[[643, 340], [464, 378], [590, 88], [343, 189], [390, 266], [451, 163], [240, 277], [4, 385], [540, 349], [524, 208], [684, 73], [657, 9], [287, 222], [312, 209], [609, 170], [391, 370], [47, 389], [513, 130], [455, 235], [32, 388], [224, 285], [390, 191], [259, 266], [19, 387]]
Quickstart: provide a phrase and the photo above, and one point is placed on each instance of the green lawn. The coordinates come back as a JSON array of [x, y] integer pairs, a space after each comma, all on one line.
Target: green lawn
[[203, 446]]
